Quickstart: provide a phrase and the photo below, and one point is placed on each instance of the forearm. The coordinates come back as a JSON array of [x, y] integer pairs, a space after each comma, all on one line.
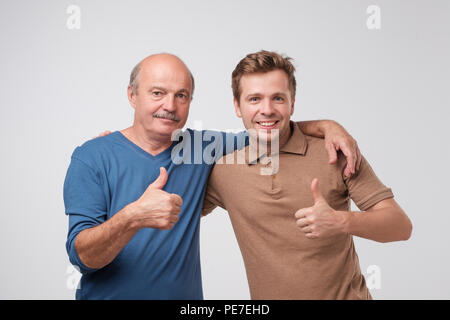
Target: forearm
[[316, 128], [98, 246], [382, 225]]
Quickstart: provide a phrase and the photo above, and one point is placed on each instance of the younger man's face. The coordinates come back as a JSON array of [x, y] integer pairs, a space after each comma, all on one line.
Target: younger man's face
[[266, 104]]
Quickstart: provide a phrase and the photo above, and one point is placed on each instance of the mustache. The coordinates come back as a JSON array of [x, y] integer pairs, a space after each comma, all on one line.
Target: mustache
[[166, 115]]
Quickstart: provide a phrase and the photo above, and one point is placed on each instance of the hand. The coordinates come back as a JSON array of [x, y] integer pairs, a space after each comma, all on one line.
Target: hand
[[104, 133], [337, 138], [157, 208], [320, 220]]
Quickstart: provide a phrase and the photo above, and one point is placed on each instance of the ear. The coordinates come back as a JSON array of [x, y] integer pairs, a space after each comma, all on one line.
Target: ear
[[131, 97], [237, 108]]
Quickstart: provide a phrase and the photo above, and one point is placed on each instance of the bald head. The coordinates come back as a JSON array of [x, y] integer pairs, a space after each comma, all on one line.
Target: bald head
[[159, 60]]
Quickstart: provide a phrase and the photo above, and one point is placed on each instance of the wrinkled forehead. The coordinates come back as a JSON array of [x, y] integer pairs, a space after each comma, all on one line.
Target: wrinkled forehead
[[173, 76]]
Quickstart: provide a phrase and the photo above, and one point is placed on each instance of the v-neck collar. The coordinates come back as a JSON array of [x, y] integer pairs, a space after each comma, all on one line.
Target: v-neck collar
[[160, 156]]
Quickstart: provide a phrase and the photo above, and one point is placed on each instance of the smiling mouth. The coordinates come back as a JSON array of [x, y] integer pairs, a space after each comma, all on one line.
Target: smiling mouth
[[167, 119], [267, 124]]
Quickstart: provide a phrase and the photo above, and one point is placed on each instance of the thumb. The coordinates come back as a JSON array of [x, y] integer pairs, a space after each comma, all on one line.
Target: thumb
[[160, 182], [315, 190]]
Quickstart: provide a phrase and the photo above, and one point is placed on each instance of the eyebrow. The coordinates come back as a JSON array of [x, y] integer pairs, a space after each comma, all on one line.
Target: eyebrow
[[157, 88], [279, 94], [253, 94], [164, 89], [184, 90], [260, 94]]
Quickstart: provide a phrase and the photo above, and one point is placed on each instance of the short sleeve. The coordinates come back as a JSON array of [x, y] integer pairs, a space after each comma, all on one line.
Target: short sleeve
[[85, 204], [364, 187], [212, 197]]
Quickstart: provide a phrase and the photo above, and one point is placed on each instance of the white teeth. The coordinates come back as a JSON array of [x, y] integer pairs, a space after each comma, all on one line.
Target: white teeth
[[267, 124]]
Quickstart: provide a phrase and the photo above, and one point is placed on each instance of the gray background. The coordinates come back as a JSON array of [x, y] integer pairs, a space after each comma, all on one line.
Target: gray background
[[388, 87]]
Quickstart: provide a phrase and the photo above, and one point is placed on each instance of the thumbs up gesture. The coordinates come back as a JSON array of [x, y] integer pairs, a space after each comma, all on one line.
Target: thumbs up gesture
[[156, 208], [320, 220]]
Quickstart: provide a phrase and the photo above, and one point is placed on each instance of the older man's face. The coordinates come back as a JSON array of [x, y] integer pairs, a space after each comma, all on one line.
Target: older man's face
[[163, 96]]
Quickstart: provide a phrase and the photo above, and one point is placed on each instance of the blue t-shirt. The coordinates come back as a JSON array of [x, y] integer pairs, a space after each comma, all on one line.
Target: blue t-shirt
[[108, 173]]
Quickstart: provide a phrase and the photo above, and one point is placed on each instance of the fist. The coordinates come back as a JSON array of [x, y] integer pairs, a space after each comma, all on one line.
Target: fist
[[157, 208]]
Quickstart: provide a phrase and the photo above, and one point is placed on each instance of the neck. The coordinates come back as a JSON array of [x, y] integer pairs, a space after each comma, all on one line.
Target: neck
[[267, 147], [148, 141]]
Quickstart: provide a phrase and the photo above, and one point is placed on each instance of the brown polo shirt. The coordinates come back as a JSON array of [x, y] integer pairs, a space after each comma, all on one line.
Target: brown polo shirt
[[281, 263]]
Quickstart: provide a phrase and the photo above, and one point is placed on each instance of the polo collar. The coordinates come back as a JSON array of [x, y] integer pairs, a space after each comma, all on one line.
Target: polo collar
[[296, 144]]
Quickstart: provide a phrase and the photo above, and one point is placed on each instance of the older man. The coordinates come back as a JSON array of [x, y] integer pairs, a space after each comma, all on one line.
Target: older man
[[134, 213], [296, 239]]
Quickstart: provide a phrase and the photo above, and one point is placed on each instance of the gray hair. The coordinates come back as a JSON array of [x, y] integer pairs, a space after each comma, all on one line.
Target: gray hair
[[134, 78], [134, 83]]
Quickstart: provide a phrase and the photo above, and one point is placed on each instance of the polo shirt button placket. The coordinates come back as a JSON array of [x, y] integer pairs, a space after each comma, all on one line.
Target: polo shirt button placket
[[276, 189]]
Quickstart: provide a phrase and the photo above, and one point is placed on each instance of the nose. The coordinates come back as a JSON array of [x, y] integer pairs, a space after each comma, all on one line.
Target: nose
[[266, 108], [169, 104]]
